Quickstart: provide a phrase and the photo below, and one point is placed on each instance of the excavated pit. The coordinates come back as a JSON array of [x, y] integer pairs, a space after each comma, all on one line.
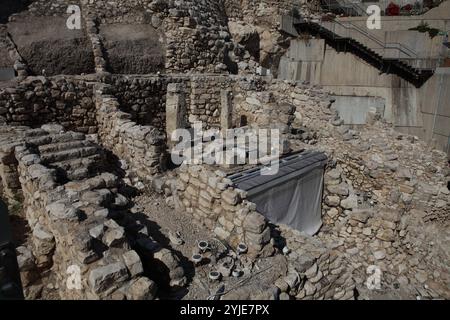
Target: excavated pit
[[50, 48], [133, 49], [87, 182]]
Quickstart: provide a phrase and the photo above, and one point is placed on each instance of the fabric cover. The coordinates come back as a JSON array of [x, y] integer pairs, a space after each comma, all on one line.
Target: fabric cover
[[293, 196]]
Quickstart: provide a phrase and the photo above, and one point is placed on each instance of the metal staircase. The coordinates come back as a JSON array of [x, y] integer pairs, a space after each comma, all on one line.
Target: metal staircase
[[346, 7], [415, 76]]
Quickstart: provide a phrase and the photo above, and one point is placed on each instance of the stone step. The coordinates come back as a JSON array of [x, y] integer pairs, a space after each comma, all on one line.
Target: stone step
[[77, 153], [78, 174], [59, 138], [62, 146], [101, 181], [75, 164]]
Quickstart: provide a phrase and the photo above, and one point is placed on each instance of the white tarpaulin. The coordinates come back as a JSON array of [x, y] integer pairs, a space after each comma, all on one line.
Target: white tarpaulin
[[296, 203], [293, 196]]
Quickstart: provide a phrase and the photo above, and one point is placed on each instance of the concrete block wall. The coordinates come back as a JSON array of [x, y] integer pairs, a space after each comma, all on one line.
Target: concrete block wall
[[411, 110]]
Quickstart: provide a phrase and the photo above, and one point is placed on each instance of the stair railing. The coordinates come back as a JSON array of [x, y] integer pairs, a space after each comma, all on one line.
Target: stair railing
[[384, 45], [348, 7], [347, 25]]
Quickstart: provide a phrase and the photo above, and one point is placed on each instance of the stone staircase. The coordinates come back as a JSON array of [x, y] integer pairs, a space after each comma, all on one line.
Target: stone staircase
[[78, 210], [415, 76]]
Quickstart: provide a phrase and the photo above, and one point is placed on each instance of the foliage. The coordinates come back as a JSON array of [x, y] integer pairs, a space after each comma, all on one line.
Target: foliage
[[424, 27]]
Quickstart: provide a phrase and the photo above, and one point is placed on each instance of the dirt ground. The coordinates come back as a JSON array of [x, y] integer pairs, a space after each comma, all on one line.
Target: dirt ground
[[167, 220], [133, 49], [47, 44]]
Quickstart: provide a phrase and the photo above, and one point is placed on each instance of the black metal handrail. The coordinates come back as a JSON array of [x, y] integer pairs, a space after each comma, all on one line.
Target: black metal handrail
[[416, 76], [346, 6], [384, 45]]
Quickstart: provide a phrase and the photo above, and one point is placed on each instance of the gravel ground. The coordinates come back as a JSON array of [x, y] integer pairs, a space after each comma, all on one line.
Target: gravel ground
[[167, 220]]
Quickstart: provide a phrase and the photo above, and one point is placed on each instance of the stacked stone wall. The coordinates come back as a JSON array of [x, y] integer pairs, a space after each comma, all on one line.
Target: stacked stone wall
[[35, 101]]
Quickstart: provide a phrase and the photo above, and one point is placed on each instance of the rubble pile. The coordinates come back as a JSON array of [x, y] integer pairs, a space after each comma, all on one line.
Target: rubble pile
[[384, 191]]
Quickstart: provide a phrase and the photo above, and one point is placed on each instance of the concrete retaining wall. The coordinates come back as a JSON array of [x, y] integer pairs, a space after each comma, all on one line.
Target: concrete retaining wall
[[412, 110]]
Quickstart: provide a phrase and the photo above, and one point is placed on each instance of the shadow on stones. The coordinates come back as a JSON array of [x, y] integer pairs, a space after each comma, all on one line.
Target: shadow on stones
[[153, 267], [9, 7], [280, 241], [20, 230]]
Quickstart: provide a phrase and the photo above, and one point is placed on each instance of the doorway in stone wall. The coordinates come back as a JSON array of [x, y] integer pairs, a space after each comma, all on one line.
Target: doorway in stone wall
[[243, 122]]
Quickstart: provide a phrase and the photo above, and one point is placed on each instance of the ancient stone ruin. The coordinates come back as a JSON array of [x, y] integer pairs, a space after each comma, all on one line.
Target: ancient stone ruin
[[100, 209]]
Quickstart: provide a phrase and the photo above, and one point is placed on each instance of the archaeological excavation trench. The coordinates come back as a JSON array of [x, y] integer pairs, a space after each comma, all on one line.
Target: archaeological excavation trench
[[100, 209]]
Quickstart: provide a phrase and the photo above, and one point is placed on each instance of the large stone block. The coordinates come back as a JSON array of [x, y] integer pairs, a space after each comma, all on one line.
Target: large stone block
[[258, 238], [104, 278], [133, 263], [254, 222], [141, 289]]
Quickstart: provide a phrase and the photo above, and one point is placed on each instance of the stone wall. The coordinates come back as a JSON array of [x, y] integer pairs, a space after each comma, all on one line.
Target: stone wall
[[198, 37], [39, 100], [193, 35], [195, 31], [143, 98], [374, 203], [80, 225], [268, 10], [316, 269], [10, 188], [71, 225], [275, 104], [205, 99], [142, 147], [381, 188], [209, 197]]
